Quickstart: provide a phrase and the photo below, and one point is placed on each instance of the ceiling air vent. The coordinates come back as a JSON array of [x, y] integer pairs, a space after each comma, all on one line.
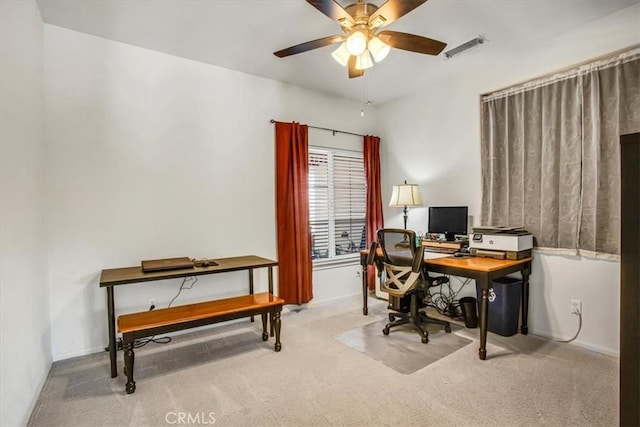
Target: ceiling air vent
[[464, 46]]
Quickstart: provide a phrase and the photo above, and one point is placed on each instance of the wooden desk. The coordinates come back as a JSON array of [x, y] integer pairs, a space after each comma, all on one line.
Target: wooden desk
[[483, 271], [129, 275]]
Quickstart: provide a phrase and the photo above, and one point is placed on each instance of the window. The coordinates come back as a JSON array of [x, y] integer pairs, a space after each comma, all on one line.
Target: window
[[336, 203]]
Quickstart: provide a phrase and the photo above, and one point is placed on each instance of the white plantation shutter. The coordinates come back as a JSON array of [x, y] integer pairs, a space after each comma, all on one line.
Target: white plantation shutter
[[319, 203], [336, 203]]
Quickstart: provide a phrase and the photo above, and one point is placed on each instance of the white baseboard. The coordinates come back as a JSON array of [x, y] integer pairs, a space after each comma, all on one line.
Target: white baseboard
[[36, 395], [586, 345]]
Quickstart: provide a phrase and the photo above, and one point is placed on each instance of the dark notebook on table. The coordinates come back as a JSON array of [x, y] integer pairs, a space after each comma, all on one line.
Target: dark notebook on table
[[166, 264]]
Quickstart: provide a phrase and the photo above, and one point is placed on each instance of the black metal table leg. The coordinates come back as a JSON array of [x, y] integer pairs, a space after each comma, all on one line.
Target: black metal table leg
[[251, 285], [271, 292], [365, 291], [111, 322], [526, 271]]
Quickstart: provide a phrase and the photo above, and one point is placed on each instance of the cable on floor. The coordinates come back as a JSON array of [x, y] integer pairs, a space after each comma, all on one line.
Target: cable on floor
[[445, 300]]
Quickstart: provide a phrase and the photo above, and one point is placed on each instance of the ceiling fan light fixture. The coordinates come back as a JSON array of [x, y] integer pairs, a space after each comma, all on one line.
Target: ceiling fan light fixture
[[356, 43], [363, 61], [360, 42], [379, 49], [341, 55]]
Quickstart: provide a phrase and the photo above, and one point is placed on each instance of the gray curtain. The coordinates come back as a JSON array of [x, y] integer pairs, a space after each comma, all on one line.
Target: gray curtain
[[550, 154]]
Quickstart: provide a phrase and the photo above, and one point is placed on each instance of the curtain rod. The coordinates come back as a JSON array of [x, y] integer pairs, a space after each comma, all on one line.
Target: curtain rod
[[330, 130]]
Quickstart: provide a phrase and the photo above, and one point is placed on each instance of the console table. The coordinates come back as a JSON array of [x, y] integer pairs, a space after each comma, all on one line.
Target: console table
[[482, 270], [130, 275]]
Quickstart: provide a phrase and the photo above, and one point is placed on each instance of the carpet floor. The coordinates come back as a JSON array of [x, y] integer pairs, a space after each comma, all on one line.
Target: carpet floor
[[227, 376]]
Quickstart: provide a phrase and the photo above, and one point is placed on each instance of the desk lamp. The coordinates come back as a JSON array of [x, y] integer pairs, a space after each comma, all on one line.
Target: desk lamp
[[405, 195]]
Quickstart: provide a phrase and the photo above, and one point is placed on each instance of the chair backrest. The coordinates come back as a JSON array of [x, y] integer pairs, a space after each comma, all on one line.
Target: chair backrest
[[402, 260], [398, 245]]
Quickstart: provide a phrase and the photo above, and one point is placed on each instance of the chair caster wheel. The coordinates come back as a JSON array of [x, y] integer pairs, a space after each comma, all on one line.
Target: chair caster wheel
[[391, 317], [385, 331], [425, 340], [447, 329]]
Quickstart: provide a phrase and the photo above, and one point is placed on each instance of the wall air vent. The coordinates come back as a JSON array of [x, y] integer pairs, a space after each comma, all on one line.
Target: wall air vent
[[464, 47]]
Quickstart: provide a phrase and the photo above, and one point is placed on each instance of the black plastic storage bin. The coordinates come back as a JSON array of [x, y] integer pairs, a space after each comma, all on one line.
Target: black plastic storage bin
[[504, 305]]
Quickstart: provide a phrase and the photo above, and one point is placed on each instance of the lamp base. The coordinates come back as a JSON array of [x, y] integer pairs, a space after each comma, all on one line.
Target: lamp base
[[405, 212]]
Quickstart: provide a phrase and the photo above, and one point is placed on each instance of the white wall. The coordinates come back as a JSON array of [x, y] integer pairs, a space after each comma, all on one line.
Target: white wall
[[24, 302], [432, 138], [156, 156]]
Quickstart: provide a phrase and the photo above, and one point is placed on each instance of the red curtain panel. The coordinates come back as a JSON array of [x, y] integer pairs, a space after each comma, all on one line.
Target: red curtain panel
[[292, 213], [374, 195]]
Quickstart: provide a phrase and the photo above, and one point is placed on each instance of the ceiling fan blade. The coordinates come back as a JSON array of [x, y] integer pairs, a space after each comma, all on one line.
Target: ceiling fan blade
[[411, 42], [392, 10], [334, 11], [303, 47], [353, 72]]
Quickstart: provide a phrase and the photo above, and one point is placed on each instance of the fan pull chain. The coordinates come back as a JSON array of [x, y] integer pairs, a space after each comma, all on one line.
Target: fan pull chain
[[362, 97]]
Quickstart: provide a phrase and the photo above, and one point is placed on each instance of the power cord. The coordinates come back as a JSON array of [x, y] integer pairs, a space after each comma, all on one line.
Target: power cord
[[577, 312], [182, 286], [444, 300], [164, 340], [141, 342]]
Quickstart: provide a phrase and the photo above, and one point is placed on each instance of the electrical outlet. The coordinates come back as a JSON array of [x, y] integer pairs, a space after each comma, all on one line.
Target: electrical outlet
[[152, 302], [576, 306]]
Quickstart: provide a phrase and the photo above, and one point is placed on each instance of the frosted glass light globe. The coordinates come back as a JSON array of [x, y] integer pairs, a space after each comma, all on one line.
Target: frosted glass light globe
[[379, 49], [341, 55], [363, 61], [356, 43]]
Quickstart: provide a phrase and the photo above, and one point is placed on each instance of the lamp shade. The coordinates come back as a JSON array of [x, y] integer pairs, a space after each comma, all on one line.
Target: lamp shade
[[341, 55], [379, 49], [363, 61], [405, 195]]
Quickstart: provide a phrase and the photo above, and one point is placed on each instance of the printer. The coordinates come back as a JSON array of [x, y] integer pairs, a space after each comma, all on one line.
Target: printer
[[501, 242]]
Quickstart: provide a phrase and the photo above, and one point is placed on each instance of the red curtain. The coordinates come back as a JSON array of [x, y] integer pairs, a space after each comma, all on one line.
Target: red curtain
[[292, 213], [374, 195]]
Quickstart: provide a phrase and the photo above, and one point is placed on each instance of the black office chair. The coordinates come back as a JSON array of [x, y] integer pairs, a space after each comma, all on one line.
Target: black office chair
[[406, 281]]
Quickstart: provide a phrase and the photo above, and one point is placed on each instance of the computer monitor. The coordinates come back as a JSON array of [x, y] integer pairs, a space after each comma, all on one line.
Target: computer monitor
[[448, 220]]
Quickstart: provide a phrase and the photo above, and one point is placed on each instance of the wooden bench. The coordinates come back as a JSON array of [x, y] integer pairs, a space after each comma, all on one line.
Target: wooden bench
[[162, 321]]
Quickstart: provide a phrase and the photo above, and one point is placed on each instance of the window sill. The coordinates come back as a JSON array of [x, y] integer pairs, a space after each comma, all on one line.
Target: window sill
[[326, 264]]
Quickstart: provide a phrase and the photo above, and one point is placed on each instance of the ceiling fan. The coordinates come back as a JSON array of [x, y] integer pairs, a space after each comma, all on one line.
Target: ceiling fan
[[362, 39]]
